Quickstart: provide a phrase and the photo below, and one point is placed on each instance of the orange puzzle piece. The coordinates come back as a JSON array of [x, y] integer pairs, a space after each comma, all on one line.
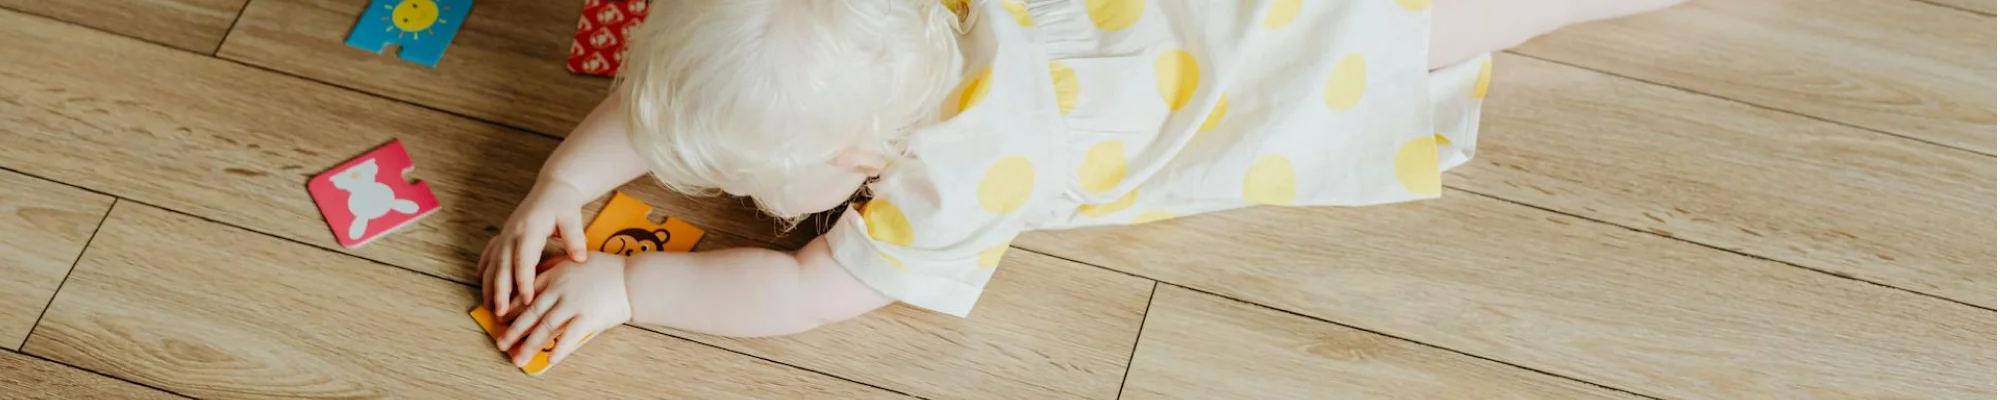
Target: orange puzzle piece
[[623, 229], [493, 328]]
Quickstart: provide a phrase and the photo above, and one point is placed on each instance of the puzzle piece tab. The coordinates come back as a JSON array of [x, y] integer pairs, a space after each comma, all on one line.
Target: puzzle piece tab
[[367, 197], [623, 228], [421, 29]]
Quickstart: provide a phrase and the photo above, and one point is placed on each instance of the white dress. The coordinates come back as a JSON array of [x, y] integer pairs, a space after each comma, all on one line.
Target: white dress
[[1081, 113]]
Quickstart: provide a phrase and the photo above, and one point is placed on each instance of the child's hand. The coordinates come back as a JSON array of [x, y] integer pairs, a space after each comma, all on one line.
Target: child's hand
[[508, 264], [575, 300]]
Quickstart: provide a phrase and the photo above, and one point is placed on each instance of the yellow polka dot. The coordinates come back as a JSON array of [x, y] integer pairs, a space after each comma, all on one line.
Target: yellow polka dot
[[974, 89], [1270, 181], [1007, 184], [1215, 116], [892, 261], [1103, 166], [1417, 166], [887, 224], [1152, 216], [990, 258], [1347, 82], [1066, 88], [1177, 75], [1485, 79], [1020, 12], [1099, 210], [1414, 5], [1282, 13], [1112, 15]]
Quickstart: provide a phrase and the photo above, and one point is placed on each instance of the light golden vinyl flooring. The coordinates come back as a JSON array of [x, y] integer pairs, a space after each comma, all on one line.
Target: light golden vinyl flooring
[[1732, 199]]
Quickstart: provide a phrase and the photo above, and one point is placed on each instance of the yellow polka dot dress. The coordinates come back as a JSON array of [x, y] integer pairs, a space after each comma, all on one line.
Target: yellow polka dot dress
[[1075, 113]]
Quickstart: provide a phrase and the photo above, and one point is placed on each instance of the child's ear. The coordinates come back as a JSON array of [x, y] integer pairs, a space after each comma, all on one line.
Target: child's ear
[[863, 161]]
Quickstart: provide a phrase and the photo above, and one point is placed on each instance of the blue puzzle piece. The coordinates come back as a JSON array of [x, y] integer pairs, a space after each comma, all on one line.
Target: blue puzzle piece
[[420, 28]]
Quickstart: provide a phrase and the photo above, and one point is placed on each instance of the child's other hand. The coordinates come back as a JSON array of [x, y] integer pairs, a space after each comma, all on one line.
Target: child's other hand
[[508, 263], [575, 300]]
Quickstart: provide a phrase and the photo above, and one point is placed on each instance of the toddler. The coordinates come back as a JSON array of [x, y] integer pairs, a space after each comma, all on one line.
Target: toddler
[[979, 120]]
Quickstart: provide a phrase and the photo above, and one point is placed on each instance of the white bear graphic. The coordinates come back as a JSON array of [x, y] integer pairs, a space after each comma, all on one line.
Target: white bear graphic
[[367, 198]]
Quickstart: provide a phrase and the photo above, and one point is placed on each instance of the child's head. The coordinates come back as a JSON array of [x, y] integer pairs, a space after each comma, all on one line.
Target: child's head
[[793, 103]]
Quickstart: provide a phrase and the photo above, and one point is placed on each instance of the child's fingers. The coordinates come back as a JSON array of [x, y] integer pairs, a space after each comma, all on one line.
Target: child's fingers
[[572, 235], [526, 256], [570, 340], [528, 319], [539, 336], [503, 281]]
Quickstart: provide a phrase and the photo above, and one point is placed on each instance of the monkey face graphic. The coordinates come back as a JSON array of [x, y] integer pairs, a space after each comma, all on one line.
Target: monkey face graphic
[[634, 240]]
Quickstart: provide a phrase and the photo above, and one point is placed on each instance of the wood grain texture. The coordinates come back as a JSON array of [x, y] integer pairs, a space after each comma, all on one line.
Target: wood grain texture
[[24, 377], [212, 311], [1897, 66], [506, 64], [239, 157], [43, 226], [1198, 346], [192, 25], [1824, 196], [1564, 295], [1044, 329], [1977, 6], [79, 104]]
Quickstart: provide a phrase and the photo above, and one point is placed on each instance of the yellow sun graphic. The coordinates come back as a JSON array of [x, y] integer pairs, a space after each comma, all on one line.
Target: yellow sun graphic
[[414, 17]]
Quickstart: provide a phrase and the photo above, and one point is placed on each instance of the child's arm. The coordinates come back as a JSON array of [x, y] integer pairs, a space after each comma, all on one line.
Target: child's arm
[[597, 156], [746, 292], [742, 292]]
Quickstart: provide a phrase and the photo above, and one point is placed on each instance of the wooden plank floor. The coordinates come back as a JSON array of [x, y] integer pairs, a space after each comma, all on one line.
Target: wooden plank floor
[[1728, 199]]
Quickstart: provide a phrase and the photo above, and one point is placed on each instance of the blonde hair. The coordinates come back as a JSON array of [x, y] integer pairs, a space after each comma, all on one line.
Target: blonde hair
[[741, 93]]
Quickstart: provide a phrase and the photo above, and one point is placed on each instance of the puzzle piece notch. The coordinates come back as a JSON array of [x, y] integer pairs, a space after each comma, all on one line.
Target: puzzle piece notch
[[371, 195], [421, 29], [624, 227]]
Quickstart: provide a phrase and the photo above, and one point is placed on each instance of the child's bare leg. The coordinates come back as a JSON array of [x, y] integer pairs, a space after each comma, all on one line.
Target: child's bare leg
[[1462, 29]]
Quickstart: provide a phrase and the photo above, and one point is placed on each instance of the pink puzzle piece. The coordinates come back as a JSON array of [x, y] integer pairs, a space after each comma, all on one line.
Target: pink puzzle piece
[[368, 196]]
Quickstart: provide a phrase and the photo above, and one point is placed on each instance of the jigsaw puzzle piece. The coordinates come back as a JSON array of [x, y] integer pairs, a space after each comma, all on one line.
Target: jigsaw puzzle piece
[[623, 228], [421, 29], [368, 196], [536, 365]]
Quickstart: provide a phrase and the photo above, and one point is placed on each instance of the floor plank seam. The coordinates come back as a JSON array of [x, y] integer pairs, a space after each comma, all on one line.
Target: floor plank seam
[[70, 272], [1157, 282], [24, 353], [94, 29], [217, 51], [1976, 12], [1725, 250], [117, 199], [1420, 343], [509, 127], [558, 139], [1130, 360], [217, 56], [1126, 380], [1748, 103]]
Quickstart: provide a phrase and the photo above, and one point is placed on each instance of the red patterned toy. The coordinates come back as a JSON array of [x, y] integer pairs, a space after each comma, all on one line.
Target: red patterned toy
[[599, 47]]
